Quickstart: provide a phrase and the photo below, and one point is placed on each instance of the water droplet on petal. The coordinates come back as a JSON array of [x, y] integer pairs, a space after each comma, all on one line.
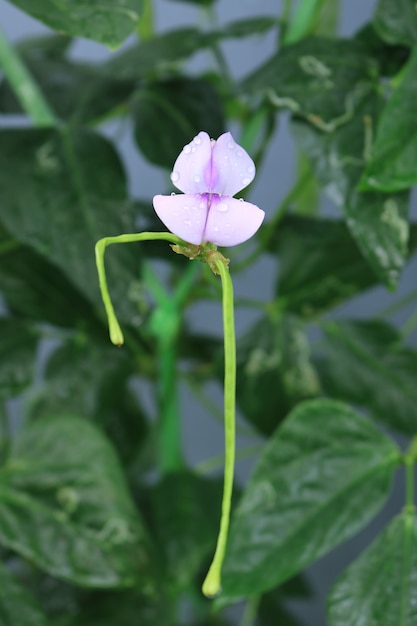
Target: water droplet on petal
[[175, 177], [187, 222], [239, 153], [241, 200], [223, 207], [197, 179], [246, 181], [230, 145], [197, 140], [216, 229], [192, 148], [187, 149], [251, 169], [202, 205], [173, 193]]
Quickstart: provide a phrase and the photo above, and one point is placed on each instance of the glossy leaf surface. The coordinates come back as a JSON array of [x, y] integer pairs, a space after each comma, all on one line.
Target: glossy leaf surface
[[74, 193], [65, 506], [365, 363], [94, 19], [394, 153], [323, 475], [380, 586]]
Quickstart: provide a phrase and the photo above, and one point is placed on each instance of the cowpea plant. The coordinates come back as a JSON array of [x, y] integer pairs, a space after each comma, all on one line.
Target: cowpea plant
[[103, 521]]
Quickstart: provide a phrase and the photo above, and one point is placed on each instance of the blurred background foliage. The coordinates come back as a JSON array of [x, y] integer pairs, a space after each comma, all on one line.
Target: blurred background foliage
[[97, 525]]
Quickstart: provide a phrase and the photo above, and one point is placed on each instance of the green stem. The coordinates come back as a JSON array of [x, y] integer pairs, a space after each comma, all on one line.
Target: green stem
[[5, 438], [212, 583], [146, 24], [169, 441], [251, 610], [402, 302], [409, 325], [303, 21], [116, 335], [24, 86], [208, 466]]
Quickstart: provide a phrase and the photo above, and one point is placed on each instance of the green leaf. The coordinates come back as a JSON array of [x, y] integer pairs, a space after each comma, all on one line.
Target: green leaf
[[17, 606], [64, 505], [366, 364], [90, 379], [320, 79], [378, 222], [308, 288], [169, 114], [322, 476], [396, 22], [36, 290], [77, 92], [17, 356], [394, 154], [74, 193], [183, 513], [379, 588], [108, 23], [157, 55], [122, 608], [273, 361]]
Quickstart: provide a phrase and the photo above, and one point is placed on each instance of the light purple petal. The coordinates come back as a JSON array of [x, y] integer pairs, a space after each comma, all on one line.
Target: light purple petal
[[231, 221], [184, 215], [232, 167], [192, 169]]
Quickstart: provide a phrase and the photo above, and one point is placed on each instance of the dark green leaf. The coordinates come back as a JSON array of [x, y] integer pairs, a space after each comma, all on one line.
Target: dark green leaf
[[122, 608], [396, 22], [75, 91], [273, 362], [378, 222], [169, 114], [17, 356], [108, 23], [320, 79], [272, 607], [17, 606], [34, 289], [157, 55], [90, 379], [65, 506], [308, 283], [74, 193], [380, 587], [183, 513], [322, 476], [390, 58], [365, 363], [394, 154]]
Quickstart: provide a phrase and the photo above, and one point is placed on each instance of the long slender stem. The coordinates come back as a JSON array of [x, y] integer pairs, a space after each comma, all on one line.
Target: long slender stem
[[212, 583], [251, 610], [169, 440], [24, 86], [146, 26], [116, 335]]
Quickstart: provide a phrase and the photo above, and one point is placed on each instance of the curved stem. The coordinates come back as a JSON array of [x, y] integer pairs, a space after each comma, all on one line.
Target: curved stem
[[212, 583], [24, 86], [116, 335]]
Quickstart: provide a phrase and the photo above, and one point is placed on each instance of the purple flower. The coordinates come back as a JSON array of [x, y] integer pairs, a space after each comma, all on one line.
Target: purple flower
[[209, 173]]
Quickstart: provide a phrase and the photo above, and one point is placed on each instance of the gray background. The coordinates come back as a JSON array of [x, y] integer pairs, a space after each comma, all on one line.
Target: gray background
[[203, 437]]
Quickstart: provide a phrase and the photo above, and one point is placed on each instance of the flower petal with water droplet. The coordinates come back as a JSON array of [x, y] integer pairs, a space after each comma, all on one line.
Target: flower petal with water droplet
[[192, 169], [184, 215], [232, 167], [234, 225]]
